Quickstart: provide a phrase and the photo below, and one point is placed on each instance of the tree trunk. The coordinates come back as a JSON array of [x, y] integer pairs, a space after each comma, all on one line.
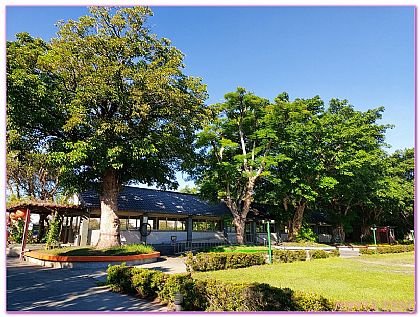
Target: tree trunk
[[338, 233], [41, 234], [239, 223], [297, 221], [109, 235]]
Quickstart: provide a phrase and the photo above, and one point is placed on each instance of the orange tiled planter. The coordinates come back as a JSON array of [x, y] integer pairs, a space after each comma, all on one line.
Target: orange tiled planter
[[85, 258]]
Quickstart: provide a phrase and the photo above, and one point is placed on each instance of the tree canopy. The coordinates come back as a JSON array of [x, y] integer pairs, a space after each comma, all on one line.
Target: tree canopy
[[123, 110]]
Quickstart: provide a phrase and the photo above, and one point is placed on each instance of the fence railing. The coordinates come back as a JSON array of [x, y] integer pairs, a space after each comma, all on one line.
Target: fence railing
[[195, 245]]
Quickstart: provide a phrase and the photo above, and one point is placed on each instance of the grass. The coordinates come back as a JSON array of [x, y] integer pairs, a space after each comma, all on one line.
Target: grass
[[384, 281], [129, 249], [304, 244], [237, 249], [245, 248]]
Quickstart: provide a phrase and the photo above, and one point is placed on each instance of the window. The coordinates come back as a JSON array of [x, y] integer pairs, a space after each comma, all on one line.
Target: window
[[206, 225], [134, 223], [229, 226], [153, 223], [94, 223], [261, 228], [171, 224]]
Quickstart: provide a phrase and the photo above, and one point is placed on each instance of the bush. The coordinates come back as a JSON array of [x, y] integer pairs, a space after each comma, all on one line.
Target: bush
[[184, 284], [389, 249], [310, 302], [404, 241], [220, 261], [334, 253], [306, 234], [54, 230], [288, 256], [210, 294], [148, 283], [318, 254], [119, 277]]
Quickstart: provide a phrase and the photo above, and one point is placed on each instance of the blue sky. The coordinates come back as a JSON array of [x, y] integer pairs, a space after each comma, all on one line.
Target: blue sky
[[362, 54]]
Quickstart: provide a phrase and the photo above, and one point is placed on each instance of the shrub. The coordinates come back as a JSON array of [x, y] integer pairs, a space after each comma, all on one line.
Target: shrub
[[318, 254], [404, 241], [147, 283], [288, 256], [310, 302], [119, 277], [220, 261], [334, 253], [389, 249], [184, 284], [54, 230], [306, 234], [210, 294]]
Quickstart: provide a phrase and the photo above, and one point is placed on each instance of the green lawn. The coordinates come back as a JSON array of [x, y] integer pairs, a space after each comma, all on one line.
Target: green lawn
[[237, 249], [130, 249], [384, 281], [244, 248]]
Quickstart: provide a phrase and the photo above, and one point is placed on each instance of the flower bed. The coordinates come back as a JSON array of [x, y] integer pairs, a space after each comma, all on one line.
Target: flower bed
[[91, 257]]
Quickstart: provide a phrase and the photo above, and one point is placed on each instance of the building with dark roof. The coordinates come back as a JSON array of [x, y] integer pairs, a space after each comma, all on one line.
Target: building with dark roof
[[166, 218]]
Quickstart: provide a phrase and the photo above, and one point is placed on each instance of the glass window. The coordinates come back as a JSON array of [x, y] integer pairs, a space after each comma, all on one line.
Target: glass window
[[153, 223], [124, 224], [180, 225], [206, 225], [94, 223], [261, 228], [162, 224], [133, 223], [171, 224], [229, 226]]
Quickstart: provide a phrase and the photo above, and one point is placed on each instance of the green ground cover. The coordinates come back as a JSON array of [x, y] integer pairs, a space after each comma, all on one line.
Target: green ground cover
[[383, 281], [237, 249], [130, 249], [304, 244], [252, 248]]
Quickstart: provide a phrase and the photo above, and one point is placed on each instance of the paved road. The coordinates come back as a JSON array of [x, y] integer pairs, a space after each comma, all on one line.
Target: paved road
[[37, 288]]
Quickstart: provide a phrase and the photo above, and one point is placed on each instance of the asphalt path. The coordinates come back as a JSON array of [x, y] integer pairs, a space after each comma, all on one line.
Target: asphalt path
[[37, 288]]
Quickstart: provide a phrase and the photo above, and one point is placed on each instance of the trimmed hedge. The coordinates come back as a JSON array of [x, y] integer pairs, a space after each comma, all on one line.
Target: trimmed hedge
[[210, 294], [213, 261], [288, 256], [389, 249]]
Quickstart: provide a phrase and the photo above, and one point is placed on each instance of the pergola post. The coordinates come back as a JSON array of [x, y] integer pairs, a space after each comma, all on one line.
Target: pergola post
[[25, 233]]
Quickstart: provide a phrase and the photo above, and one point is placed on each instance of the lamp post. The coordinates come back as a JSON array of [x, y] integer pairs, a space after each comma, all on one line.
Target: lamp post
[[268, 222], [373, 228]]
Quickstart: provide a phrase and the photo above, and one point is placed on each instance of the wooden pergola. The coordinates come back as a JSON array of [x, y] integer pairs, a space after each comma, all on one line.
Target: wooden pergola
[[45, 208]]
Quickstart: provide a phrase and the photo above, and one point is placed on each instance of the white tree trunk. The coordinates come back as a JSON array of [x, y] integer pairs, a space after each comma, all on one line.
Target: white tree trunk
[[109, 235]]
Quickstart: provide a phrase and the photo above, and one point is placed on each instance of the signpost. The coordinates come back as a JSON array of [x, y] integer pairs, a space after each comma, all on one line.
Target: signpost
[[268, 222], [373, 228]]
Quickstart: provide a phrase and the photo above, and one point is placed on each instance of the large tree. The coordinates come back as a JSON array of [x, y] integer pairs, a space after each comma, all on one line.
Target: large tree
[[296, 180], [352, 154], [235, 147], [127, 112], [31, 116]]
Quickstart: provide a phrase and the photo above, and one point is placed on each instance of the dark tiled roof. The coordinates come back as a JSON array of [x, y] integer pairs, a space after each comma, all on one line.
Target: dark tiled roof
[[157, 201], [317, 217]]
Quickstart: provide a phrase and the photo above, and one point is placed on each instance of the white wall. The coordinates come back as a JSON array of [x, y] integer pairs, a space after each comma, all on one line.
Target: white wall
[[324, 238], [93, 237], [164, 237], [130, 237], [208, 236], [262, 236]]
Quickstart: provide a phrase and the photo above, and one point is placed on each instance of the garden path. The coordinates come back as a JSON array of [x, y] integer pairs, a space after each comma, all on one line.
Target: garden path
[[37, 288]]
